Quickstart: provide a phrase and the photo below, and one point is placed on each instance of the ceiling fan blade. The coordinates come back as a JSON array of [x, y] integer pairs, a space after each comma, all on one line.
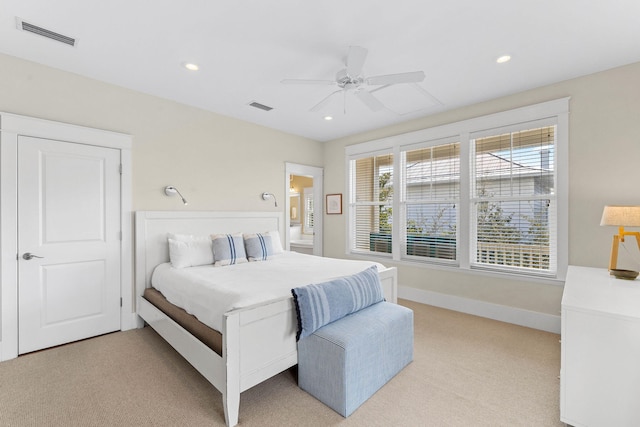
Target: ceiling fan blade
[[307, 82], [355, 60], [320, 105], [369, 100], [391, 79]]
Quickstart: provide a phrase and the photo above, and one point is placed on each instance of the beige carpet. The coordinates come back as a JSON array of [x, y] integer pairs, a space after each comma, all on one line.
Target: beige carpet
[[467, 371]]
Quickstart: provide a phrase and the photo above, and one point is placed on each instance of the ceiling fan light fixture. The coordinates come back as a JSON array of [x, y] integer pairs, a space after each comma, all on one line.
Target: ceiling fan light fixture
[[351, 80], [504, 58]]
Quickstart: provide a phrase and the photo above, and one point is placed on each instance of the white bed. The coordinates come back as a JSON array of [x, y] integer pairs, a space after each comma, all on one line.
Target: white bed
[[258, 340]]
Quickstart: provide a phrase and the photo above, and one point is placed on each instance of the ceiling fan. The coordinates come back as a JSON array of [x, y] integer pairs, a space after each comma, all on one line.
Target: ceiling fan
[[351, 79]]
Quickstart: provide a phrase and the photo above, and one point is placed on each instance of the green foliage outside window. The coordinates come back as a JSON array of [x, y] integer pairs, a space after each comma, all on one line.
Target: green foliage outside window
[[385, 193]]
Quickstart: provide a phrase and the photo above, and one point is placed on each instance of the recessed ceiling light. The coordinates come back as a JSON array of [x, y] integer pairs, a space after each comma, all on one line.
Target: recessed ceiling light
[[328, 118], [191, 66], [503, 59]]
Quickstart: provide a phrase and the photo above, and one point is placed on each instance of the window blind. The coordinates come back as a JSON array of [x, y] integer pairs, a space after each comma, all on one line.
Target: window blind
[[371, 203], [431, 194], [308, 210]]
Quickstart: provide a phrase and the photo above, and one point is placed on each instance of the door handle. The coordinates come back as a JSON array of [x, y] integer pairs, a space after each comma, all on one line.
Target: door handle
[[28, 256]]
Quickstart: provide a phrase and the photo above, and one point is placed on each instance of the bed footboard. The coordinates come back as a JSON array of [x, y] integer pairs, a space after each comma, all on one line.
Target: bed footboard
[[389, 282], [259, 342]]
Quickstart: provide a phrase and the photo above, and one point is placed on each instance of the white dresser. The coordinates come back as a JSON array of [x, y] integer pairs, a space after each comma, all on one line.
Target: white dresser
[[600, 362]]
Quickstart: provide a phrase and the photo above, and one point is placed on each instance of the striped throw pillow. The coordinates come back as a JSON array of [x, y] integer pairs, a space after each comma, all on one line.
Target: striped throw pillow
[[320, 304], [258, 246], [228, 249]]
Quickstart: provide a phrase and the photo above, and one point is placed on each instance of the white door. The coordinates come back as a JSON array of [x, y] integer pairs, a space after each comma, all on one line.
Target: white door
[[68, 242]]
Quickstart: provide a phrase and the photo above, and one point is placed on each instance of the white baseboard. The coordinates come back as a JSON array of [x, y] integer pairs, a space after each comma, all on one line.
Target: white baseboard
[[503, 313]]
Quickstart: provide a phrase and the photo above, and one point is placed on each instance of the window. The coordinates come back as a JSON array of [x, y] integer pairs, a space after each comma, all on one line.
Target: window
[[513, 201], [485, 194], [431, 193], [371, 203], [308, 210]]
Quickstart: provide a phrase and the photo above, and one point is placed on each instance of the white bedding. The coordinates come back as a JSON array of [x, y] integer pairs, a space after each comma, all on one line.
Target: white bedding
[[208, 292]]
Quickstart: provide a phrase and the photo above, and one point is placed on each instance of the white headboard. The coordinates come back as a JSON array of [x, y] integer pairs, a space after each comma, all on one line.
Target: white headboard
[[152, 228]]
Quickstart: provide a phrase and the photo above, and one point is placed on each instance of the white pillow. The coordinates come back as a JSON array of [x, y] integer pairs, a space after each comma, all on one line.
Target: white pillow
[[276, 243], [186, 250]]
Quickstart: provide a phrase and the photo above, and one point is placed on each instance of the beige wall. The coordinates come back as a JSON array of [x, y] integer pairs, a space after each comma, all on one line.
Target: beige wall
[[604, 150], [220, 163], [217, 163]]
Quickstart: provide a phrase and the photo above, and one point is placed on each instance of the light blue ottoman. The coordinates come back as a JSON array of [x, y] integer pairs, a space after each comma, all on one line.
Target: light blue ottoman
[[345, 362]]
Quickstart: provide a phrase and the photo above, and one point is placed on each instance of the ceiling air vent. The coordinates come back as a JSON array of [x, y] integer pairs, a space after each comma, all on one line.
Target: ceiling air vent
[[261, 106], [25, 26]]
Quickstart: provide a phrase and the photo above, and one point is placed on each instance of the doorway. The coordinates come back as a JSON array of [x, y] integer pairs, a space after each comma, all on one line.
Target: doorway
[[61, 166], [304, 208]]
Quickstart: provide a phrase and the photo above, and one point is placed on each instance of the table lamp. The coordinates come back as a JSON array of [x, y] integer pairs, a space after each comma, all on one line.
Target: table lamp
[[621, 216]]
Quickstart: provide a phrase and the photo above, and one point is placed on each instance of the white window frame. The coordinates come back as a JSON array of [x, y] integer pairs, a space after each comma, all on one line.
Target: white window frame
[[556, 111]]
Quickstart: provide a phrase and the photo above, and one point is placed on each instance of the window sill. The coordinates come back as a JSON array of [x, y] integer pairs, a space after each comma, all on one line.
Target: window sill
[[474, 271]]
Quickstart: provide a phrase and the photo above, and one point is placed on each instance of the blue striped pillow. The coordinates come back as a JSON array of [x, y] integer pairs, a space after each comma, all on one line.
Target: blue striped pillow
[[228, 249], [258, 246], [323, 303]]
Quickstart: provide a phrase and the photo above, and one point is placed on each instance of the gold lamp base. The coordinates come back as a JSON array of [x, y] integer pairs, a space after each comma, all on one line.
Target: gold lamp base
[[613, 260], [624, 274]]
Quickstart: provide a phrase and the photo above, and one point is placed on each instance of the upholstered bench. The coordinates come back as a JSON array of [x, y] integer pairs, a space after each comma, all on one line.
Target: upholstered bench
[[350, 341], [344, 363]]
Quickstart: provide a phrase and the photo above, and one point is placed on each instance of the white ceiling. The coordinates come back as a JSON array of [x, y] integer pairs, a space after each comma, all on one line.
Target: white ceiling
[[246, 47]]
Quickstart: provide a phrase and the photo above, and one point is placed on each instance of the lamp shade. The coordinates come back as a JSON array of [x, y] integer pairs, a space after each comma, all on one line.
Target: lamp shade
[[621, 216]]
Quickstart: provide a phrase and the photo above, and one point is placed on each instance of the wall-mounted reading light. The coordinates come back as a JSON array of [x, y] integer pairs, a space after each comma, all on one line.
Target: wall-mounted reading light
[[171, 190], [267, 196]]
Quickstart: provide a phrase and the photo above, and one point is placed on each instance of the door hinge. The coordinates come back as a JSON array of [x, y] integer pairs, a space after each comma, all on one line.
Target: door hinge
[[120, 235], [120, 301], [120, 168]]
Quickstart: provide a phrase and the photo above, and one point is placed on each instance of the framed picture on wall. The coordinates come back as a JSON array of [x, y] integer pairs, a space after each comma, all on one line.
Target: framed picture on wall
[[334, 204]]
